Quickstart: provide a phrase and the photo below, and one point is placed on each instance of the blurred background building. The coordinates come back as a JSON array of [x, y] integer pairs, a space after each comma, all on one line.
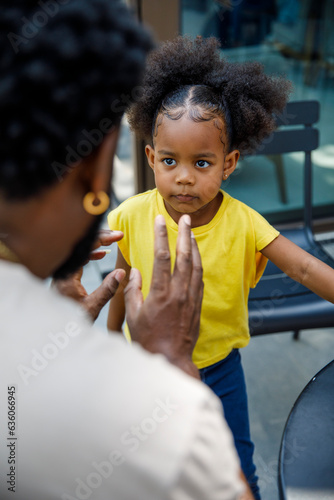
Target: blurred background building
[[294, 38]]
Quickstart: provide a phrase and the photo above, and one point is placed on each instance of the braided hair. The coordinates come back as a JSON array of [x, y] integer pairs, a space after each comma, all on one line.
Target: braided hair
[[189, 76], [68, 68]]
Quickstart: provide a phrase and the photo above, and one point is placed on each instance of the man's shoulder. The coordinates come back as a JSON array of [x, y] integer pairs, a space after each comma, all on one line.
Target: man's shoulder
[[32, 301], [113, 407]]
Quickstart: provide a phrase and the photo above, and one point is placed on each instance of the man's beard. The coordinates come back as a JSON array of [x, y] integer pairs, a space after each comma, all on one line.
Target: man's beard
[[80, 253]]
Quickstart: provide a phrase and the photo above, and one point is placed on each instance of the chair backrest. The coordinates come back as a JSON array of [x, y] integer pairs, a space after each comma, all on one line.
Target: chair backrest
[[293, 139]]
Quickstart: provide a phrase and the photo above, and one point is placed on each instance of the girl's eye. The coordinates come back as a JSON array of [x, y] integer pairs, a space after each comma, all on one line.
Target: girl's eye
[[169, 161], [202, 164]]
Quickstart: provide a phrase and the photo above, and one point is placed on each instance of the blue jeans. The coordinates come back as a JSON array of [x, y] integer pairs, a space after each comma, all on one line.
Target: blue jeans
[[226, 379]]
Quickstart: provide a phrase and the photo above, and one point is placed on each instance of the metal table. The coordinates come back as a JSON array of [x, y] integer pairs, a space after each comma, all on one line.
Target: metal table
[[306, 465]]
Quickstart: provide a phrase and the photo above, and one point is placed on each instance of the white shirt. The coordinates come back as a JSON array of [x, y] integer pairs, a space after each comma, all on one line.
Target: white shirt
[[83, 415]]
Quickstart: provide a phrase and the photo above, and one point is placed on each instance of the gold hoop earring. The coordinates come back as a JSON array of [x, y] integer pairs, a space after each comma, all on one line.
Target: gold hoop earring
[[103, 203]]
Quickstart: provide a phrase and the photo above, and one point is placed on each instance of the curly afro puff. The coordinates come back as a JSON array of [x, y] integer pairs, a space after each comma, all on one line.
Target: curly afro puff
[[66, 68], [189, 76]]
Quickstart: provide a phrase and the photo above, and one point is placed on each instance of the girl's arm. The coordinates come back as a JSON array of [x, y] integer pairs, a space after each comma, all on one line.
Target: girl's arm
[[301, 266], [116, 313]]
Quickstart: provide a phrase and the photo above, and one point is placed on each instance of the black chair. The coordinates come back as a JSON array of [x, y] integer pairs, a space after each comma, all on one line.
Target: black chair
[[278, 303]]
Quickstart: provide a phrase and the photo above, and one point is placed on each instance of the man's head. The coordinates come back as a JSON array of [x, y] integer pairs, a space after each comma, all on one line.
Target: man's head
[[69, 68]]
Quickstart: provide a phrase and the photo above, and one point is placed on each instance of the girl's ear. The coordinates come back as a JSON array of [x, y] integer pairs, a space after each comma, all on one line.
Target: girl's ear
[[150, 155], [230, 164]]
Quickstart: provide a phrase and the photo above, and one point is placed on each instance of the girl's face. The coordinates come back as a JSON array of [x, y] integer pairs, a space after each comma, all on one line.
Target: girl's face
[[190, 162]]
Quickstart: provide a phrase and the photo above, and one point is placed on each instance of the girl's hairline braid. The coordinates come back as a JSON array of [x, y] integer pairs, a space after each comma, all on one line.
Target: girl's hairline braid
[[187, 106]]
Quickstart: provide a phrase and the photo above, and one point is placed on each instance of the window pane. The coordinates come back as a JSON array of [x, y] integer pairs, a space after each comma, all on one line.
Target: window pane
[[296, 39]]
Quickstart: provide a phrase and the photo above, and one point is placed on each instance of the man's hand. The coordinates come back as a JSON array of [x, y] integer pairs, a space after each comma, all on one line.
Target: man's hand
[[72, 286], [168, 321]]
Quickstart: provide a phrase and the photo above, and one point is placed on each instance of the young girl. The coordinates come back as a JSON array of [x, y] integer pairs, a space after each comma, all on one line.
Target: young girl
[[198, 114]]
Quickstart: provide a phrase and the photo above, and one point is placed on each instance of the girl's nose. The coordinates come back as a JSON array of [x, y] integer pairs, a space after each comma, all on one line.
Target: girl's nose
[[185, 175]]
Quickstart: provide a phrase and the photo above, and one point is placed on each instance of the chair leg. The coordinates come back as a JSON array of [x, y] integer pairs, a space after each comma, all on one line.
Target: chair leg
[[279, 166], [296, 335]]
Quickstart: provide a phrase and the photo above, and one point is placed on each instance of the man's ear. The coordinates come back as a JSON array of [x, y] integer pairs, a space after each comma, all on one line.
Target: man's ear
[[231, 160], [150, 153]]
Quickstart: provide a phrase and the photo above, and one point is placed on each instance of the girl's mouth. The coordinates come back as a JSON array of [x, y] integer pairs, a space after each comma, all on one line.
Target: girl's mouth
[[184, 197]]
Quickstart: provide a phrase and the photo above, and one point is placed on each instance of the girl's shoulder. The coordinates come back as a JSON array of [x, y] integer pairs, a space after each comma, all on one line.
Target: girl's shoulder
[[239, 210], [136, 202], [236, 206]]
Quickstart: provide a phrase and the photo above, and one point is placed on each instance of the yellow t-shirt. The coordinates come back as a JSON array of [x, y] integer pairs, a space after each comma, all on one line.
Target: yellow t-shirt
[[229, 245]]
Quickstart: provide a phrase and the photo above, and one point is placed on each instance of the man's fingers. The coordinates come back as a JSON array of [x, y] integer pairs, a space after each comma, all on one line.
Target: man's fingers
[[196, 287], [107, 237], [133, 296], [197, 269], [71, 286], [97, 299], [183, 263], [98, 254], [161, 266], [183, 240]]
